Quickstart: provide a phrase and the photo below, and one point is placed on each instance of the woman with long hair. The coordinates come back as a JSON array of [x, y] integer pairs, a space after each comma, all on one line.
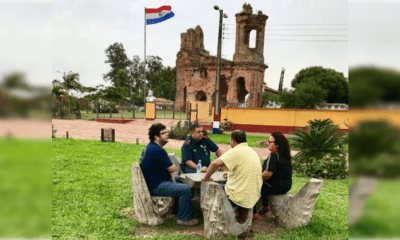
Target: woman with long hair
[[276, 170]]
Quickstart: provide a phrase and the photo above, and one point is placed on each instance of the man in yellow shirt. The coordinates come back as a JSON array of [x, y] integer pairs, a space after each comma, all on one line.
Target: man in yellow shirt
[[244, 183]]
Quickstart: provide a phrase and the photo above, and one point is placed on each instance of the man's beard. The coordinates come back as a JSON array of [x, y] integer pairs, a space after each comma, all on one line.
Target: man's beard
[[163, 141]]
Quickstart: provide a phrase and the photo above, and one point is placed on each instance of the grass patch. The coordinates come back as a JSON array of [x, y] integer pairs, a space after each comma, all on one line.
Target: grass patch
[[92, 183], [225, 138], [161, 114], [380, 218], [25, 188], [251, 140]]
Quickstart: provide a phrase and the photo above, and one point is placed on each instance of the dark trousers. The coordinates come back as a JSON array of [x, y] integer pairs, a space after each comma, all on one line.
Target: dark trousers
[[267, 190]]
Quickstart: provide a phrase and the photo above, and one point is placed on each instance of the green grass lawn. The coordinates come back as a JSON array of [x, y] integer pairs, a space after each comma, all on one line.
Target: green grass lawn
[[161, 114], [225, 139], [25, 188], [381, 217], [251, 140], [92, 183]]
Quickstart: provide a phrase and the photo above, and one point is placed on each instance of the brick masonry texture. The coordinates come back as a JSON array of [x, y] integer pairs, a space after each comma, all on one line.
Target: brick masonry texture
[[196, 69]]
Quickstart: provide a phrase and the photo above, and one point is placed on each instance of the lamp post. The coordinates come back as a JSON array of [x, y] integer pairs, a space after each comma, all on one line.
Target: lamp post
[[216, 116]]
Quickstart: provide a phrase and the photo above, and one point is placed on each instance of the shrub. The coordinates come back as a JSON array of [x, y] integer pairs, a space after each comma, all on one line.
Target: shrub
[[106, 110], [317, 142], [319, 124], [327, 167], [320, 149], [375, 149], [178, 132]]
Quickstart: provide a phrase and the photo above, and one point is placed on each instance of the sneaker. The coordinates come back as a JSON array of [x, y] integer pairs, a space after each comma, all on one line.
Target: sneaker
[[189, 223], [264, 210]]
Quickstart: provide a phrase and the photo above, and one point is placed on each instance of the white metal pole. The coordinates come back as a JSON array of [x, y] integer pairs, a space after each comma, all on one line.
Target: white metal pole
[[144, 83]]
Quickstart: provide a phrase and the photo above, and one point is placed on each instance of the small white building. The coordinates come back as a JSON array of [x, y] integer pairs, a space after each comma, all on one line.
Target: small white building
[[334, 106]]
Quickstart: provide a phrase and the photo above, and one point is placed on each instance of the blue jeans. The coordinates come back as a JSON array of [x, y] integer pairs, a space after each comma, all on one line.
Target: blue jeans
[[178, 190], [186, 169]]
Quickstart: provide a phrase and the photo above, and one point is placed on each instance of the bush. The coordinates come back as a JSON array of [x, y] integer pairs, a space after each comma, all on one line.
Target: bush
[[319, 124], [327, 167], [178, 132], [375, 149], [321, 153], [105, 110], [317, 142]]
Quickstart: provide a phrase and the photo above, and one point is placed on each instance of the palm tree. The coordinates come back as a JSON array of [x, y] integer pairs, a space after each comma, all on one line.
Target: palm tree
[[56, 91], [70, 82], [318, 141]]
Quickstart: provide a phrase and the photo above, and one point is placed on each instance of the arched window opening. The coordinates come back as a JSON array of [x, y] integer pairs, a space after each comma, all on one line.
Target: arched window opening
[[241, 90], [253, 39], [201, 96]]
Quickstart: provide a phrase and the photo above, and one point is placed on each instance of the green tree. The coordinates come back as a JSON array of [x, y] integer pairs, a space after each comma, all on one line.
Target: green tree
[[154, 67], [116, 95], [117, 59], [266, 98], [154, 64], [164, 83], [15, 80], [70, 82], [160, 79], [333, 82], [371, 85], [57, 93], [135, 72], [122, 77], [95, 94], [305, 95]]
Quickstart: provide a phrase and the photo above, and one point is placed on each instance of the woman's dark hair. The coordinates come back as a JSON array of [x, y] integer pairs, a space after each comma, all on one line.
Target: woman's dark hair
[[155, 130], [282, 144]]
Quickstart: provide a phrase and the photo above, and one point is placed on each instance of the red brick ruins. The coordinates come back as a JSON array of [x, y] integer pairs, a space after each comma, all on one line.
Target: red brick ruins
[[196, 69]]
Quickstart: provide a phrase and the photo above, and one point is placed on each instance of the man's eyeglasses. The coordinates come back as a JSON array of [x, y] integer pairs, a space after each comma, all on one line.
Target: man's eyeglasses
[[163, 132], [269, 141]]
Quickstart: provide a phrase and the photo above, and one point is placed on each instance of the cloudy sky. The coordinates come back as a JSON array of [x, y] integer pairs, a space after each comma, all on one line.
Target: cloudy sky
[[44, 37]]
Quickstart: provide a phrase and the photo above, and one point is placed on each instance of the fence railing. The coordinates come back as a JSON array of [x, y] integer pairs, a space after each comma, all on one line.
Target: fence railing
[[164, 110]]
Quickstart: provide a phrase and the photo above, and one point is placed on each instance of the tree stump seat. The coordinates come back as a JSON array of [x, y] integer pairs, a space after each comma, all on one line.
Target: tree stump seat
[[151, 210], [220, 218], [293, 211]]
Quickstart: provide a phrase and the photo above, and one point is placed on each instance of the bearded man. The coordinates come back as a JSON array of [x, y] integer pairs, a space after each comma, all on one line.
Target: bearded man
[[158, 172]]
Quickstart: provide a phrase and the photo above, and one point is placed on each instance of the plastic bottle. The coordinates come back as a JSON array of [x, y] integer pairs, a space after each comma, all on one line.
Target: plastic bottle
[[199, 166]]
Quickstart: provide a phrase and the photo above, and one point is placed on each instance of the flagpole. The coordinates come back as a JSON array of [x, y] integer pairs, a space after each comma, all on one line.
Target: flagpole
[[144, 83]]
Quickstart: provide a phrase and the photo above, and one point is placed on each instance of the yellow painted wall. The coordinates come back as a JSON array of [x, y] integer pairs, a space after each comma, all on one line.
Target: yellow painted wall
[[281, 117], [150, 110], [299, 118], [338, 117], [392, 116], [202, 111]]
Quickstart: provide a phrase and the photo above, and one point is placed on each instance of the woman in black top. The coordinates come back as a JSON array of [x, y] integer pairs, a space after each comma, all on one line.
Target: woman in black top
[[277, 169]]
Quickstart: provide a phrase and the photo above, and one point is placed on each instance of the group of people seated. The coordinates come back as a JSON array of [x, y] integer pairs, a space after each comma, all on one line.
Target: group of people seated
[[247, 180]]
